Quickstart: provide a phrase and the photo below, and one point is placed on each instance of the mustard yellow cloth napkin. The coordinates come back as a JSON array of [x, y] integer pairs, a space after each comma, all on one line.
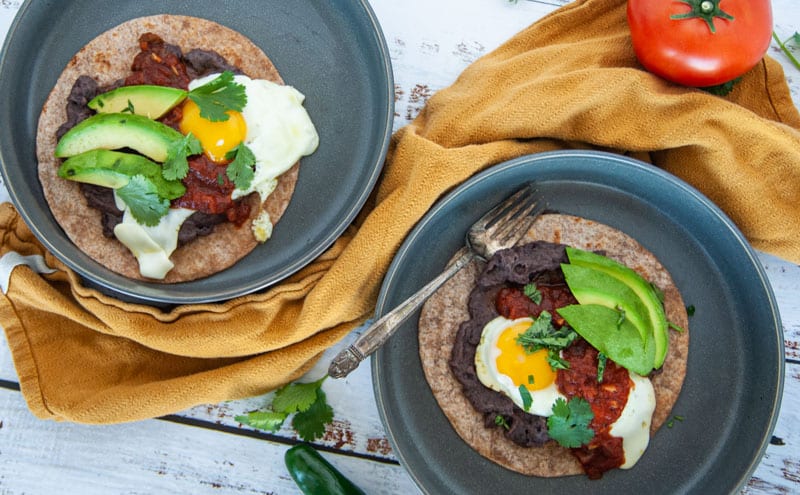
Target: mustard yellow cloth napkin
[[570, 80]]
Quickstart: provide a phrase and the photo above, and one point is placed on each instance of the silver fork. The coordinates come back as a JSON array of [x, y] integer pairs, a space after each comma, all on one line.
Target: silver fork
[[502, 227]]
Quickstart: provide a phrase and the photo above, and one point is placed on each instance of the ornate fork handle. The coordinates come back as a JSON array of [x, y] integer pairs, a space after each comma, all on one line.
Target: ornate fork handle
[[377, 333]]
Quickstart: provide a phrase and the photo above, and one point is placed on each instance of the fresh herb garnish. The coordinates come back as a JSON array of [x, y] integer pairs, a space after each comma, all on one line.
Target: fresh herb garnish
[[622, 316], [128, 109], [530, 379], [659, 293], [671, 422], [533, 293], [142, 199], [527, 400], [176, 166], [690, 309], [675, 327], [569, 424], [788, 45], [499, 420], [218, 96], [306, 401], [543, 335], [601, 366], [240, 169]]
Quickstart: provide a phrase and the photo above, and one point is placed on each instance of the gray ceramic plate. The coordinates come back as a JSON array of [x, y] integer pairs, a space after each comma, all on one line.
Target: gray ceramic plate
[[334, 52], [731, 395]]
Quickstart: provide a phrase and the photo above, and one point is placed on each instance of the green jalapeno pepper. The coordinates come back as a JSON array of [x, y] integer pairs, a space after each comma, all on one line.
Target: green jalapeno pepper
[[316, 476]]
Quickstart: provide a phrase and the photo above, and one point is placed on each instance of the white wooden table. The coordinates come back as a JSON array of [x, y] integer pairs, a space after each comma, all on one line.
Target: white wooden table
[[203, 450]]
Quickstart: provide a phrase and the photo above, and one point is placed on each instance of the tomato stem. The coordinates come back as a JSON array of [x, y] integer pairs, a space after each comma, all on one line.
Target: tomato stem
[[706, 10]]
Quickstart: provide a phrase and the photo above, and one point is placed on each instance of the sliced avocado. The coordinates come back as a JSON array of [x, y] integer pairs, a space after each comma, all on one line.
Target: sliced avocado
[[146, 99], [114, 169], [620, 342], [590, 286], [113, 131], [645, 291]]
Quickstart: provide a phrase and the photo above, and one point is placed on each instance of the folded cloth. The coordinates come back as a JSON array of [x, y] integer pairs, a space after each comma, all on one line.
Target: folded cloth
[[571, 80]]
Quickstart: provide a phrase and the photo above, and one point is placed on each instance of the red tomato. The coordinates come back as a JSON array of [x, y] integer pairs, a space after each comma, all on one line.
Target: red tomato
[[723, 41]]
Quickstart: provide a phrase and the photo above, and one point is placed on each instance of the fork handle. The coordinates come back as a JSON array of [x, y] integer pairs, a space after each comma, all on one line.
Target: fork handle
[[380, 331]]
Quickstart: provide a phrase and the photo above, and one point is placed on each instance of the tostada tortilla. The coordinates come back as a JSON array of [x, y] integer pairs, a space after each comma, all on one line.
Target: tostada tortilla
[[108, 60], [457, 307]]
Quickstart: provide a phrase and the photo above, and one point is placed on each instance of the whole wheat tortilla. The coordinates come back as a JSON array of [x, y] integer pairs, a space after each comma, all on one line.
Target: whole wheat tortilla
[[447, 309], [107, 58]]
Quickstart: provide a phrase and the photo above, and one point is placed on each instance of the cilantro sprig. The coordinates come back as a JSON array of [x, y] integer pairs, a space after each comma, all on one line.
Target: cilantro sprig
[[788, 46], [142, 198], [569, 424], [176, 166], [218, 96], [543, 335], [306, 401], [240, 169]]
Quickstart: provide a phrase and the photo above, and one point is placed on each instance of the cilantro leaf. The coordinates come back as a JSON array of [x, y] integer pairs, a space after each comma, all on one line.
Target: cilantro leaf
[[218, 96], [141, 197], [296, 397], [310, 424], [601, 366], [176, 166], [555, 360], [533, 293], [527, 400], [499, 420], [543, 335], [129, 108], [263, 420], [569, 424], [240, 170]]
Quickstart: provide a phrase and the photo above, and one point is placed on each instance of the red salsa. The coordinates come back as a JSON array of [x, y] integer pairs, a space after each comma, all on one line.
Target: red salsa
[[208, 190], [607, 398]]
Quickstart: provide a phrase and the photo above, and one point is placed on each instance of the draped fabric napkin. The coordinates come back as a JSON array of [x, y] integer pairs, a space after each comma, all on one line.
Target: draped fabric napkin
[[570, 80]]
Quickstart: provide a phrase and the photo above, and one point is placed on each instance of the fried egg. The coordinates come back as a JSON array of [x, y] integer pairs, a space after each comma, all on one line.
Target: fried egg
[[503, 365], [273, 124]]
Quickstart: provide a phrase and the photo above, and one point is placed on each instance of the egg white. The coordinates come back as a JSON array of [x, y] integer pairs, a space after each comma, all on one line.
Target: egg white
[[633, 424]]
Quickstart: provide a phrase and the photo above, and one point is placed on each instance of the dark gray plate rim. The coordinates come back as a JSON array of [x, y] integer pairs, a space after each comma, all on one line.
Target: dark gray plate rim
[[732, 392], [346, 76]]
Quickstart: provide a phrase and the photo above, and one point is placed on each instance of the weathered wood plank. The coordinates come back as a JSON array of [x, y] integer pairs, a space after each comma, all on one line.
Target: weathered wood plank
[[155, 457]]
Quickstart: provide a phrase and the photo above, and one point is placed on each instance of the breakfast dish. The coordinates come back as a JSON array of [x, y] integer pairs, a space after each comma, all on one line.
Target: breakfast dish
[[227, 170], [505, 398], [711, 442]]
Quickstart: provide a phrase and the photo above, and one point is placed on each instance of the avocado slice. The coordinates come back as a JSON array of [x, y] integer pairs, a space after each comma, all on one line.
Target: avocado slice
[[112, 131], [644, 290], [148, 100], [591, 286], [114, 169], [620, 342]]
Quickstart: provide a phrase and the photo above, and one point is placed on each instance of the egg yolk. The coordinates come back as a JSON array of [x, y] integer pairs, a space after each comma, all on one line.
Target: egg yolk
[[520, 366], [217, 138]]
